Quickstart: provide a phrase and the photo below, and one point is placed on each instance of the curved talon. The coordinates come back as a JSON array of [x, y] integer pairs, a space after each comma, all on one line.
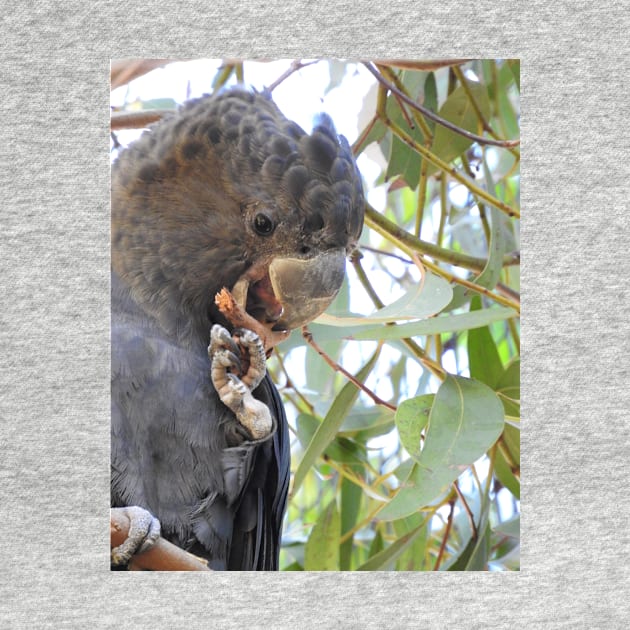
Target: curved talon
[[235, 392], [228, 360], [220, 338], [144, 531], [257, 357]]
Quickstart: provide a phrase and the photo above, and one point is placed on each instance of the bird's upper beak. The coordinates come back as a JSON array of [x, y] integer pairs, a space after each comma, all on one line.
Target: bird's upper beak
[[294, 291], [306, 287]]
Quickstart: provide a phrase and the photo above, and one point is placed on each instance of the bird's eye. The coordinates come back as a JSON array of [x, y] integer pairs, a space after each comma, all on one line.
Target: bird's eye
[[263, 224]]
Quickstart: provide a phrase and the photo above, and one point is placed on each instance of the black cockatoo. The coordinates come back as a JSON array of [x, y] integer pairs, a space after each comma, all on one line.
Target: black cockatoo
[[225, 193]]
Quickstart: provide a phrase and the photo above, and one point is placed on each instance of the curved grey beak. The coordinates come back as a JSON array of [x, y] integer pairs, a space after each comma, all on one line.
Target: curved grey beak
[[306, 287]]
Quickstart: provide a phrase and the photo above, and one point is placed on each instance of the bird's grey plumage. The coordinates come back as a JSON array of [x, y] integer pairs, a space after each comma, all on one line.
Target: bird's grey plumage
[[185, 200]]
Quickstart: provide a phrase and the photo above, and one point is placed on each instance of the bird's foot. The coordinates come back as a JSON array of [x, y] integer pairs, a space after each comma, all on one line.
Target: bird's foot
[[228, 355], [144, 531]]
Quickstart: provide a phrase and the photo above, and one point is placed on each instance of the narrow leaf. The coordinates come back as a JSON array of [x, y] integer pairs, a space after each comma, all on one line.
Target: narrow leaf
[[433, 326], [491, 273], [431, 98], [422, 301], [458, 110], [403, 160], [515, 66], [382, 559], [483, 357], [322, 547], [350, 504], [332, 422], [511, 528]]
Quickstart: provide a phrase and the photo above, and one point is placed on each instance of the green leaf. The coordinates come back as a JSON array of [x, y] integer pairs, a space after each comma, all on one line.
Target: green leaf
[[476, 554], [433, 326], [377, 544], [382, 559], [430, 98], [350, 505], [414, 557], [364, 423], [515, 67], [465, 421], [377, 133], [509, 385], [511, 528], [341, 449], [411, 417], [403, 160], [509, 116], [322, 547], [458, 110], [483, 358], [328, 429], [499, 225], [294, 566], [505, 475], [423, 300], [155, 103]]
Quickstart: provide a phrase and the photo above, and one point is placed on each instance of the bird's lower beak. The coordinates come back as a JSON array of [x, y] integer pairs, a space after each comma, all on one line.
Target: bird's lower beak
[[305, 287]]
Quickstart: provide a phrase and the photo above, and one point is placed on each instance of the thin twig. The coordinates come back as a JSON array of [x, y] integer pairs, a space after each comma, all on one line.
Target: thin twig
[[138, 119], [471, 518], [289, 384], [308, 336], [426, 66], [294, 67], [123, 71], [447, 531]]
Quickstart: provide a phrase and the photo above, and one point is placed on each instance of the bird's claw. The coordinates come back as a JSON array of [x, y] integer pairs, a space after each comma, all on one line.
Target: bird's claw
[[144, 531], [234, 388], [257, 357]]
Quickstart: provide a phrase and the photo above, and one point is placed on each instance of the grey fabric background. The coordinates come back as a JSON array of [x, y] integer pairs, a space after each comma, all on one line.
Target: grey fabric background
[[54, 364]]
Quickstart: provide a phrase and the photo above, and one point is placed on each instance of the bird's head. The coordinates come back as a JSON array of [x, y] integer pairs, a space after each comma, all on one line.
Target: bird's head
[[228, 192]]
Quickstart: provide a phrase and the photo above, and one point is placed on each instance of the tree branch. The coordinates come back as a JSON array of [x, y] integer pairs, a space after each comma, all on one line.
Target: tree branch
[[163, 556]]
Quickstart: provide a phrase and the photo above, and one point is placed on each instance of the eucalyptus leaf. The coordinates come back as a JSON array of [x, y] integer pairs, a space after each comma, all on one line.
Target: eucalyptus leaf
[[350, 505], [412, 417], [403, 160], [322, 547], [341, 449], [423, 300], [328, 429], [430, 98], [511, 528], [491, 273], [382, 559], [483, 357], [465, 421], [504, 474], [458, 110], [515, 67], [432, 326]]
